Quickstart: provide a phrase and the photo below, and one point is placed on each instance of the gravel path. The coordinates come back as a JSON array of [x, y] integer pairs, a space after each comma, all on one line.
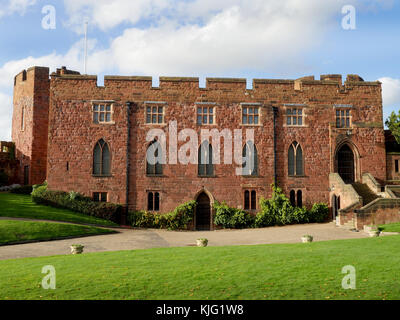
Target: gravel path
[[131, 239]]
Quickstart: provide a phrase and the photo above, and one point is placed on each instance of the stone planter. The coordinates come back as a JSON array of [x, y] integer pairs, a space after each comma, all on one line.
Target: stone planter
[[370, 228], [307, 238], [76, 249], [374, 233], [202, 242]]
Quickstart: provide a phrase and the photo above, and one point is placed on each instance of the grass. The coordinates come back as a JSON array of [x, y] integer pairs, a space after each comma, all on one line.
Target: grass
[[391, 227], [13, 231], [21, 206], [281, 271]]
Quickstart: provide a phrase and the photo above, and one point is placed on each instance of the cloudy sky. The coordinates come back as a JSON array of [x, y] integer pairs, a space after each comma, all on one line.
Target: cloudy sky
[[202, 38]]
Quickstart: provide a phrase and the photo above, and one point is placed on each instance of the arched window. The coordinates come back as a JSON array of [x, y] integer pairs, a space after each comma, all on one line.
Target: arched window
[[205, 160], [295, 160], [247, 200], [150, 201], [250, 200], [253, 200], [299, 198], [154, 167], [101, 158], [250, 159], [293, 198], [153, 201]]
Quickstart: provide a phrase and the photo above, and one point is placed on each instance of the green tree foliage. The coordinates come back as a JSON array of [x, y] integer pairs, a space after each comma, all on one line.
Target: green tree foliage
[[393, 123]]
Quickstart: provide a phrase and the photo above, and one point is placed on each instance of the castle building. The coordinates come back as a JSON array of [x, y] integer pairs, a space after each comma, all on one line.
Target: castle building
[[319, 140]]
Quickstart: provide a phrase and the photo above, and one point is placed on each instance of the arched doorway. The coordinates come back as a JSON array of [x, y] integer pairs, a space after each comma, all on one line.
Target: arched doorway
[[345, 164], [203, 212]]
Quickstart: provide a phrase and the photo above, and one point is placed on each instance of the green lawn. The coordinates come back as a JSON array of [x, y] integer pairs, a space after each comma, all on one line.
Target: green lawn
[[391, 227], [283, 271], [21, 206], [12, 231]]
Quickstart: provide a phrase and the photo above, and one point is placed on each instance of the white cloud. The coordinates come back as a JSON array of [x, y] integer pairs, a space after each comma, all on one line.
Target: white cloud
[[266, 36], [390, 91], [106, 14], [16, 6]]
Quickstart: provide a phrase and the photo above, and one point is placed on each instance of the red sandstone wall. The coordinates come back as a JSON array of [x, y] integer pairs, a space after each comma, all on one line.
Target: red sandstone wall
[[31, 91], [72, 136]]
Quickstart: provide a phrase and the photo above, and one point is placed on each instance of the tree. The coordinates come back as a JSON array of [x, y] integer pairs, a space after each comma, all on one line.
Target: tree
[[393, 123]]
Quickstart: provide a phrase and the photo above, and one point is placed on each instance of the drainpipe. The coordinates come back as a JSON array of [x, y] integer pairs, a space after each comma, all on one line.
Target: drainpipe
[[275, 111], [128, 126]]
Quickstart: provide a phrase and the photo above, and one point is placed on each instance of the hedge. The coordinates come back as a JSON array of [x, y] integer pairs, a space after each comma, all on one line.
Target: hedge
[[175, 220], [76, 202]]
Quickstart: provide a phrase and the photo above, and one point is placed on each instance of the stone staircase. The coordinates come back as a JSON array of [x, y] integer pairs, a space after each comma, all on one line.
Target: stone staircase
[[365, 193]]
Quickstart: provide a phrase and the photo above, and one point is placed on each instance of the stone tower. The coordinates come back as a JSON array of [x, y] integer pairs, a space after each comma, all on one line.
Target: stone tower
[[30, 123]]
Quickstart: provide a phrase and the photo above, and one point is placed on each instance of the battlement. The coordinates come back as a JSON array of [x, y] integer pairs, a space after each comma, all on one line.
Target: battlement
[[211, 83], [32, 74]]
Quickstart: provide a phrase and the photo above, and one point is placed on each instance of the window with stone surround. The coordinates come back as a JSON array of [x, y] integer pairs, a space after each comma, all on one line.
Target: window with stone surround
[[101, 159], [250, 159], [205, 160], [154, 114], [250, 200], [296, 198], [295, 160], [153, 165], [343, 118], [294, 116], [396, 166], [250, 115], [153, 201], [205, 115], [100, 196], [102, 113]]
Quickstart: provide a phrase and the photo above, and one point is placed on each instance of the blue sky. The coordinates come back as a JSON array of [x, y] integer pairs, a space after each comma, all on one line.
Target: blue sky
[[204, 38]]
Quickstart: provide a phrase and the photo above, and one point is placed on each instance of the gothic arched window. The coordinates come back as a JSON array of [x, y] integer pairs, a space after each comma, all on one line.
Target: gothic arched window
[[153, 166], [205, 160], [250, 159], [295, 160], [101, 158]]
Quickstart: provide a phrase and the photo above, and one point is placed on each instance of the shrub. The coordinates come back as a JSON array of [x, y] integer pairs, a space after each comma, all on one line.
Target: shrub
[[22, 190], [76, 202], [231, 218], [275, 211], [175, 220], [319, 212], [279, 211]]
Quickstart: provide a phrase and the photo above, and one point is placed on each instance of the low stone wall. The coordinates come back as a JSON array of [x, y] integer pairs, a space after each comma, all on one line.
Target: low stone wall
[[380, 211]]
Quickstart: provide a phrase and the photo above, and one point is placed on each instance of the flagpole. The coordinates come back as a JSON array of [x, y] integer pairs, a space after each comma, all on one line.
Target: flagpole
[[85, 58]]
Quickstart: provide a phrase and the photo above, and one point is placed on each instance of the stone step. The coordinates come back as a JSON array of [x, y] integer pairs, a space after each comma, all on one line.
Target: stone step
[[365, 192]]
